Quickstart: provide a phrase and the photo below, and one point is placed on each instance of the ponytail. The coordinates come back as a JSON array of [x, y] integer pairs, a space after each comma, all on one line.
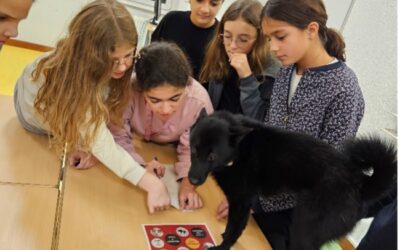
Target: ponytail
[[335, 44]]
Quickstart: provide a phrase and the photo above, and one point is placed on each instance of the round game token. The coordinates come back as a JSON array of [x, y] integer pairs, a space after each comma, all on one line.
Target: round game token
[[172, 239], [192, 243], [157, 243], [198, 232], [183, 232], [156, 231]]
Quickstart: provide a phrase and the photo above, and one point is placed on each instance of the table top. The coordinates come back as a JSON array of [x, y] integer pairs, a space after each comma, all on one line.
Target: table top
[[101, 211], [25, 157]]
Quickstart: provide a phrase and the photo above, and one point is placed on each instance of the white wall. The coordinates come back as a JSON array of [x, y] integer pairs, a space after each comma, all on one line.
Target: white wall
[[370, 35], [48, 21]]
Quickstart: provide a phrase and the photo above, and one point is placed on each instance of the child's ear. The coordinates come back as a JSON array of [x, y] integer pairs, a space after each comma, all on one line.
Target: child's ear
[[312, 30]]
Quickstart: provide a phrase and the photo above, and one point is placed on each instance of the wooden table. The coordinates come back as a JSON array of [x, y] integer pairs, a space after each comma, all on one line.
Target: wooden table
[[25, 157], [101, 211], [28, 184], [86, 209]]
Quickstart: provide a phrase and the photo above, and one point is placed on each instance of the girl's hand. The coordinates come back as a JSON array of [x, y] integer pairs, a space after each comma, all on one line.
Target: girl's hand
[[241, 64], [157, 193], [82, 160], [188, 197], [155, 167], [223, 210]]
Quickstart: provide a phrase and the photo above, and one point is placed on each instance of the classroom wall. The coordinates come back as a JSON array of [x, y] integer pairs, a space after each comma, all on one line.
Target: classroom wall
[[370, 34]]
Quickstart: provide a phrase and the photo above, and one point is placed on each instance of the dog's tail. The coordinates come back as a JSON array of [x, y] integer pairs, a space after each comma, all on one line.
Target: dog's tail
[[377, 160]]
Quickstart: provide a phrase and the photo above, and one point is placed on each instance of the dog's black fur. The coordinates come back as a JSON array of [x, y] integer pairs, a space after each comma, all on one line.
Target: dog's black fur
[[248, 158]]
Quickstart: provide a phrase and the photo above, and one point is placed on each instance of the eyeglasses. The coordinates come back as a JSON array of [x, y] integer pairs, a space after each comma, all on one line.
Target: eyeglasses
[[127, 61], [239, 41]]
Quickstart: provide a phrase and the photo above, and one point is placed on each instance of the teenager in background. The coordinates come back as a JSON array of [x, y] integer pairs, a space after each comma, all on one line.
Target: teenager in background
[[238, 66], [190, 30]]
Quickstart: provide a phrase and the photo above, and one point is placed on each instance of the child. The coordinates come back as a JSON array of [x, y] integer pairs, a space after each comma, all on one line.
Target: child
[[11, 14], [165, 104], [238, 67], [73, 91], [190, 30], [314, 92]]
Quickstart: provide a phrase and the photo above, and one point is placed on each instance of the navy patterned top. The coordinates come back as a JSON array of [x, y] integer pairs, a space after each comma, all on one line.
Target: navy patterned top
[[327, 104]]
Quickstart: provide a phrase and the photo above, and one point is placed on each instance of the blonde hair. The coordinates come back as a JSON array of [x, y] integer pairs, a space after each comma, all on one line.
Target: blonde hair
[[216, 63], [78, 75]]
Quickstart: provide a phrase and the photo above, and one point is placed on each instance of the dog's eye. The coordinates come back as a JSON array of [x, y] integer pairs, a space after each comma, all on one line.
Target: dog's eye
[[212, 157], [194, 151]]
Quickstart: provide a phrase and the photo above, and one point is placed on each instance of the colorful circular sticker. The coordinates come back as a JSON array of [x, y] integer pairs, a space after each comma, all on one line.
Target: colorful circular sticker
[[192, 243], [157, 243], [172, 239], [198, 232], [156, 231], [183, 232]]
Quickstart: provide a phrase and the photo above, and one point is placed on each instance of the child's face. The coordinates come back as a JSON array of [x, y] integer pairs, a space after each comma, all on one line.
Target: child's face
[[238, 37], [11, 13], [164, 100], [203, 12], [287, 42], [122, 60]]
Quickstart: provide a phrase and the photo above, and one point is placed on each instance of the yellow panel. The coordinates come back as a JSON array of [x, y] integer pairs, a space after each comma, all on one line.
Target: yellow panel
[[12, 61]]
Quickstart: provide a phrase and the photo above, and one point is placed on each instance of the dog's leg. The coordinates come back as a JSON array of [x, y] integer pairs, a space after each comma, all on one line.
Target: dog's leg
[[238, 216]]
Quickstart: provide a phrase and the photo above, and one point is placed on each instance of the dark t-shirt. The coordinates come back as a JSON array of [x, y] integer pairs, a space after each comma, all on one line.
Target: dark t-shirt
[[230, 96], [177, 27]]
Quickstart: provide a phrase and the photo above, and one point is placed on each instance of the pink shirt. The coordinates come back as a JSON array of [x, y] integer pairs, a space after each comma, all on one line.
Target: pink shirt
[[139, 119]]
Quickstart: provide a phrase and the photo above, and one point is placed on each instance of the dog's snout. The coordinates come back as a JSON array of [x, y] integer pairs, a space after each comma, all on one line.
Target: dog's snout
[[194, 181]]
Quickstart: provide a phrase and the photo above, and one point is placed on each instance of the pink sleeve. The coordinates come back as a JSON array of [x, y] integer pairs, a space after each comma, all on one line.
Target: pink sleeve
[[183, 164], [123, 135]]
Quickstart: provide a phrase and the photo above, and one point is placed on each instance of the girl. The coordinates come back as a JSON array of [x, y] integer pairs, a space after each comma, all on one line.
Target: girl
[[165, 104], [190, 30], [315, 92], [72, 92], [238, 67]]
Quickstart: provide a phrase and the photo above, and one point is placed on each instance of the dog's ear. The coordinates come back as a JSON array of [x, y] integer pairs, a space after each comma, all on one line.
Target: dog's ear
[[238, 131], [202, 115]]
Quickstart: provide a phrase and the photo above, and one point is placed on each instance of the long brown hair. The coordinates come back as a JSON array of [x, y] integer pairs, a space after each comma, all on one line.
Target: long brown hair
[[77, 75], [300, 13], [216, 64]]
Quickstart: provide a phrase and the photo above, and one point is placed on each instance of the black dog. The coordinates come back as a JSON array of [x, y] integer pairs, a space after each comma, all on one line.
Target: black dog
[[248, 158]]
